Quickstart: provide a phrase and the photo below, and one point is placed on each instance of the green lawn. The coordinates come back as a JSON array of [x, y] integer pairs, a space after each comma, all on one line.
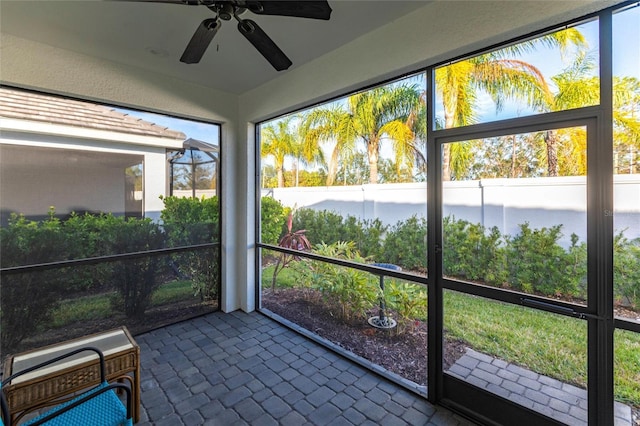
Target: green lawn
[[99, 306]]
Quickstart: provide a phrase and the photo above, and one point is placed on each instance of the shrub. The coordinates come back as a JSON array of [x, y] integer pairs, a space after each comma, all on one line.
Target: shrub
[[348, 292], [91, 236], [472, 253], [322, 226], [406, 244], [273, 217], [537, 264], [367, 235], [626, 270], [136, 279], [191, 221], [409, 301], [29, 298]]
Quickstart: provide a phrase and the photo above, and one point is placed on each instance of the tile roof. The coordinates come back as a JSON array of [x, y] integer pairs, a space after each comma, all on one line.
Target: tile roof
[[32, 106]]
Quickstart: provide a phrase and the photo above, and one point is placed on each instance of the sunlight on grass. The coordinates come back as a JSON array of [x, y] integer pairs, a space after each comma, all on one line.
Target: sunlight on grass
[[627, 367], [546, 343]]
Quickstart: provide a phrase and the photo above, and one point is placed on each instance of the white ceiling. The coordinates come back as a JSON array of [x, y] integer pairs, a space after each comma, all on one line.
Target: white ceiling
[[152, 36]]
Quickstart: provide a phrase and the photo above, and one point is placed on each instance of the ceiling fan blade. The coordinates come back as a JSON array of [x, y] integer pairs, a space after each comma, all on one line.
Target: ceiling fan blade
[[187, 2], [302, 9], [200, 41], [264, 44]]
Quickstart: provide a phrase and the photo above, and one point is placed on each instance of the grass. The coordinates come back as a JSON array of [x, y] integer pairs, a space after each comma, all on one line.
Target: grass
[[549, 344], [99, 306], [546, 343]]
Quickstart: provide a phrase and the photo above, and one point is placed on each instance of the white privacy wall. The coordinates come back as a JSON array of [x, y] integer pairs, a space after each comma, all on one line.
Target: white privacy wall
[[503, 203]]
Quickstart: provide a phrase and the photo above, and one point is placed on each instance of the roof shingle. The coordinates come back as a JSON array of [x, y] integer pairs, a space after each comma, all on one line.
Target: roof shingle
[[32, 106]]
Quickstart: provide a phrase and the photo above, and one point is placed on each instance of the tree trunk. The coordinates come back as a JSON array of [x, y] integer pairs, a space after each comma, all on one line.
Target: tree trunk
[[449, 111], [551, 140], [280, 174], [332, 168], [372, 152]]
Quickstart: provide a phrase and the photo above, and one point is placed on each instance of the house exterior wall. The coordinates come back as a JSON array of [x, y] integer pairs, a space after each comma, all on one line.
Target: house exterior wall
[[40, 170], [31, 194]]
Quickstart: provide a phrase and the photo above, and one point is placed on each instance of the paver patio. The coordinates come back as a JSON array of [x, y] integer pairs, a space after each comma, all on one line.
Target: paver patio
[[247, 369]]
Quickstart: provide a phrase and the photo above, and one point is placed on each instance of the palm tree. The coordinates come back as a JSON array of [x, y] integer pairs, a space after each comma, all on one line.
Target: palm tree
[[502, 76], [277, 140], [578, 86], [368, 117]]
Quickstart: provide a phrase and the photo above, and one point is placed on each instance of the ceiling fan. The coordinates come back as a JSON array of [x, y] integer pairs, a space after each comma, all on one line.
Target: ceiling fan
[[225, 10]]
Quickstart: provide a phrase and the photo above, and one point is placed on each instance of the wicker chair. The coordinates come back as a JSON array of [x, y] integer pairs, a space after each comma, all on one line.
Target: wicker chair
[[99, 406]]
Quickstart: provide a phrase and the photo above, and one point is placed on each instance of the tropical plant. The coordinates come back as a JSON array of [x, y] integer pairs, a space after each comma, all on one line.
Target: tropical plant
[[409, 301], [278, 140], [348, 292], [369, 117], [293, 240]]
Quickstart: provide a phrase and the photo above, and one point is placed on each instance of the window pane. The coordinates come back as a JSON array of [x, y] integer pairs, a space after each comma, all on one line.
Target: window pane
[[384, 323], [626, 163], [352, 170], [554, 72], [82, 182], [514, 219]]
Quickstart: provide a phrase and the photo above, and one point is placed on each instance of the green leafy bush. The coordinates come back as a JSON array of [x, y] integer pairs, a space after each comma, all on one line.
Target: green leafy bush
[[470, 252], [29, 298], [368, 235], [537, 263], [626, 270], [136, 279], [406, 244], [273, 217], [192, 221], [348, 292], [321, 226], [409, 301]]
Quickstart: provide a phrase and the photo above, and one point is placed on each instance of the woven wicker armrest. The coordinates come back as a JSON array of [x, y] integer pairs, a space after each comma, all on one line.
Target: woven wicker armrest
[[97, 406], [60, 358]]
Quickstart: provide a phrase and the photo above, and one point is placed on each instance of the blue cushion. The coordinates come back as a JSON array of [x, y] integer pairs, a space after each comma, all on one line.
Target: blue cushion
[[104, 409]]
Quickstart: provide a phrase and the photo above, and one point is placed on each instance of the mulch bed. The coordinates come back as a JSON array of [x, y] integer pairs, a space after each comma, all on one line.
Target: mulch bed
[[404, 354]]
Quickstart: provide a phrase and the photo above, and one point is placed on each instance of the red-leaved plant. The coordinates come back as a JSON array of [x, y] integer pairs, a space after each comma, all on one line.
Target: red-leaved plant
[[295, 240]]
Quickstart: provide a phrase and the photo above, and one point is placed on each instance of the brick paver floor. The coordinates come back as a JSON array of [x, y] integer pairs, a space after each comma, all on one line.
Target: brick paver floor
[[546, 395], [246, 369]]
